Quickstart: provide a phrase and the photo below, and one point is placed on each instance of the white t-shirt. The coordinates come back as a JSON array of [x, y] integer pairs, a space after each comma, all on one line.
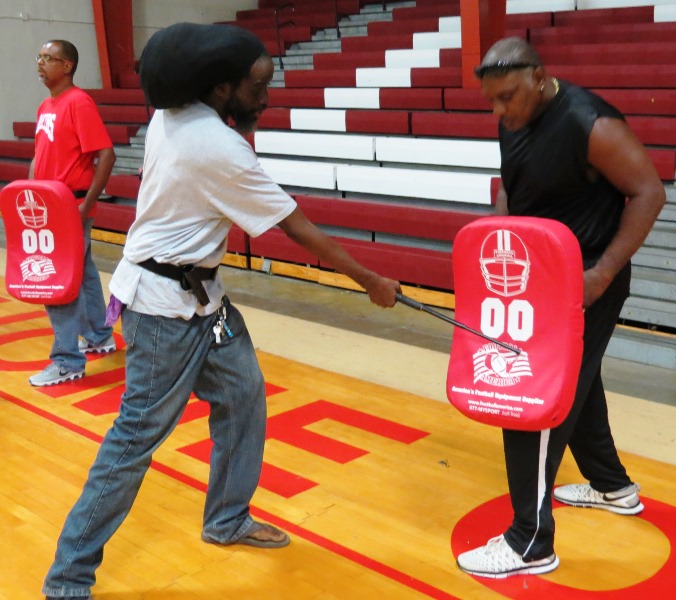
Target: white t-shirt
[[199, 177]]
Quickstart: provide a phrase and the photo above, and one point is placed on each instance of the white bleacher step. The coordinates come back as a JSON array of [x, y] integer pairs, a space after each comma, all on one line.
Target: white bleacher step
[[473, 154], [449, 24], [427, 184], [668, 213], [659, 313], [318, 119], [295, 59], [346, 30], [476, 154], [662, 235], [300, 173], [364, 18], [389, 6], [314, 47], [671, 193], [355, 147], [436, 40], [446, 186], [597, 4], [665, 14], [129, 152], [653, 283], [535, 6], [655, 258], [352, 98], [643, 347], [128, 164]]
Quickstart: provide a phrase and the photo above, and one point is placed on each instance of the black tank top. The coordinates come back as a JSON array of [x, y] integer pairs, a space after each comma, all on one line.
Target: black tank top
[[545, 170]]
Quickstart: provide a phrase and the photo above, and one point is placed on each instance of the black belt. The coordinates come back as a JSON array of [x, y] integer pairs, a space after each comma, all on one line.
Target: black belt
[[190, 276], [80, 194]]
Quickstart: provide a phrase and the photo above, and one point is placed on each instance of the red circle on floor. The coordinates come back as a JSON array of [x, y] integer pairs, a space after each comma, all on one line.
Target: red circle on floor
[[494, 517]]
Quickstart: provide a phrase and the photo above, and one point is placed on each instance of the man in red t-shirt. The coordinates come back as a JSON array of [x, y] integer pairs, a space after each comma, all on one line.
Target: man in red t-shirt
[[73, 146]]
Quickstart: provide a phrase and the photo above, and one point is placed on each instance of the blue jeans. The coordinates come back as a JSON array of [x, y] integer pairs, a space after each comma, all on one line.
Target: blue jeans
[[85, 316], [166, 360]]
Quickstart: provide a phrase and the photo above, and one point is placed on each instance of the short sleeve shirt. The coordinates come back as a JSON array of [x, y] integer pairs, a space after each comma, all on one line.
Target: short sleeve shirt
[[199, 177], [68, 134]]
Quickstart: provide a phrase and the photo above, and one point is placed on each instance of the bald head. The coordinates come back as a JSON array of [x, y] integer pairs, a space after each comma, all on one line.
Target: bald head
[[507, 55]]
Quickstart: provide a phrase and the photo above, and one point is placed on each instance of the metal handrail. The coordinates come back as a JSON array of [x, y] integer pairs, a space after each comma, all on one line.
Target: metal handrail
[[278, 26], [335, 4]]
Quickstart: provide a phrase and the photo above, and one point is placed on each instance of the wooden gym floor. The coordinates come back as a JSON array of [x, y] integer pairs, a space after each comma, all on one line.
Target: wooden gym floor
[[379, 481]]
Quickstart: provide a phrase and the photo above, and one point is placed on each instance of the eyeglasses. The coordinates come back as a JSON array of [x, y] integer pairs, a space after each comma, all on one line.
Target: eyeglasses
[[502, 67], [46, 58]]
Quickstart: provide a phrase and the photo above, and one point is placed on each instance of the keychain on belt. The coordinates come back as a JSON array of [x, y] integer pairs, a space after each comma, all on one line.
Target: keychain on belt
[[221, 328]]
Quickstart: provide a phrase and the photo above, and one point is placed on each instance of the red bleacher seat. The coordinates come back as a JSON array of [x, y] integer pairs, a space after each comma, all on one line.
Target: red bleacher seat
[[275, 118], [348, 60], [378, 121], [123, 186], [446, 8], [609, 54], [296, 97], [414, 221], [465, 125], [529, 20], [465, 99], [421, 99], [641, 101], [114, 217], [418, 266], [657, 131], [321, 79], [604, 34], [17, 149], [117, 96], [377, 43], [410, 26], [604, 16], [11, 170], [617, 76], [443, 76], [120, 113]]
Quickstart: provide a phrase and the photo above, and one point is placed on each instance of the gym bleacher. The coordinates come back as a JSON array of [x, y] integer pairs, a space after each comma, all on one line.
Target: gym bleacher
[[370, 129]]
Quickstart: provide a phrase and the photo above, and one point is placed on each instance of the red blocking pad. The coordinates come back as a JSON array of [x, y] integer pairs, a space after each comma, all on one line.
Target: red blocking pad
[[45, 245], [517, 280]]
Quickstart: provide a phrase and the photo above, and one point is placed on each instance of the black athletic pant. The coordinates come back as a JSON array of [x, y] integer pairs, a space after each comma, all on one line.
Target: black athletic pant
[[533, 457]]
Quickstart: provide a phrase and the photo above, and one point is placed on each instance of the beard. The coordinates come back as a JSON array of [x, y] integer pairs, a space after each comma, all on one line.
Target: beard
[[245, 120]]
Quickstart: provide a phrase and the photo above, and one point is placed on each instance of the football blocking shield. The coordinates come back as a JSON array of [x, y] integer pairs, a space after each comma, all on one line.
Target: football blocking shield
[[518, 280], [45, 245]]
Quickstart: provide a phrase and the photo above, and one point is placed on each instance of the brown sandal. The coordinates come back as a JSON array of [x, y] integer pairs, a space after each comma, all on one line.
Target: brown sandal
[[271, 536]]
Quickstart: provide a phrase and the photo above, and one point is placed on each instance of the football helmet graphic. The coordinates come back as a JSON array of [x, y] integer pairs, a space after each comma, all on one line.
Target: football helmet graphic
[[504, 263], [32, 209]]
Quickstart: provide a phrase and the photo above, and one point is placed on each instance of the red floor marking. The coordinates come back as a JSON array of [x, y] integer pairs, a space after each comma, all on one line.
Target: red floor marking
[[22, 316], [313, 538], [105, 403], [494, 517], [289, 427], [194, 410]]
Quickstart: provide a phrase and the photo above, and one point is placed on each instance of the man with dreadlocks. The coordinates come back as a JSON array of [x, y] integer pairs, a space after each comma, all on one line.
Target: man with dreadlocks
[[567, 155], [183, 335]]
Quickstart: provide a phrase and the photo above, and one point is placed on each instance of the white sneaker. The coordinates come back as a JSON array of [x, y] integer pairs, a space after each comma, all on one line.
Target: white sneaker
[[107, 345], [53, 374], [622, 502], [497, 560]]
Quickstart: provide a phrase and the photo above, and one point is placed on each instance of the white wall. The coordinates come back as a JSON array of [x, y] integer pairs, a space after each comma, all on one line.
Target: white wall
[[26, 24]]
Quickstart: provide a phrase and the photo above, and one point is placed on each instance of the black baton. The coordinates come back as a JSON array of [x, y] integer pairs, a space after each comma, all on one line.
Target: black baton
[[419, 306]]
